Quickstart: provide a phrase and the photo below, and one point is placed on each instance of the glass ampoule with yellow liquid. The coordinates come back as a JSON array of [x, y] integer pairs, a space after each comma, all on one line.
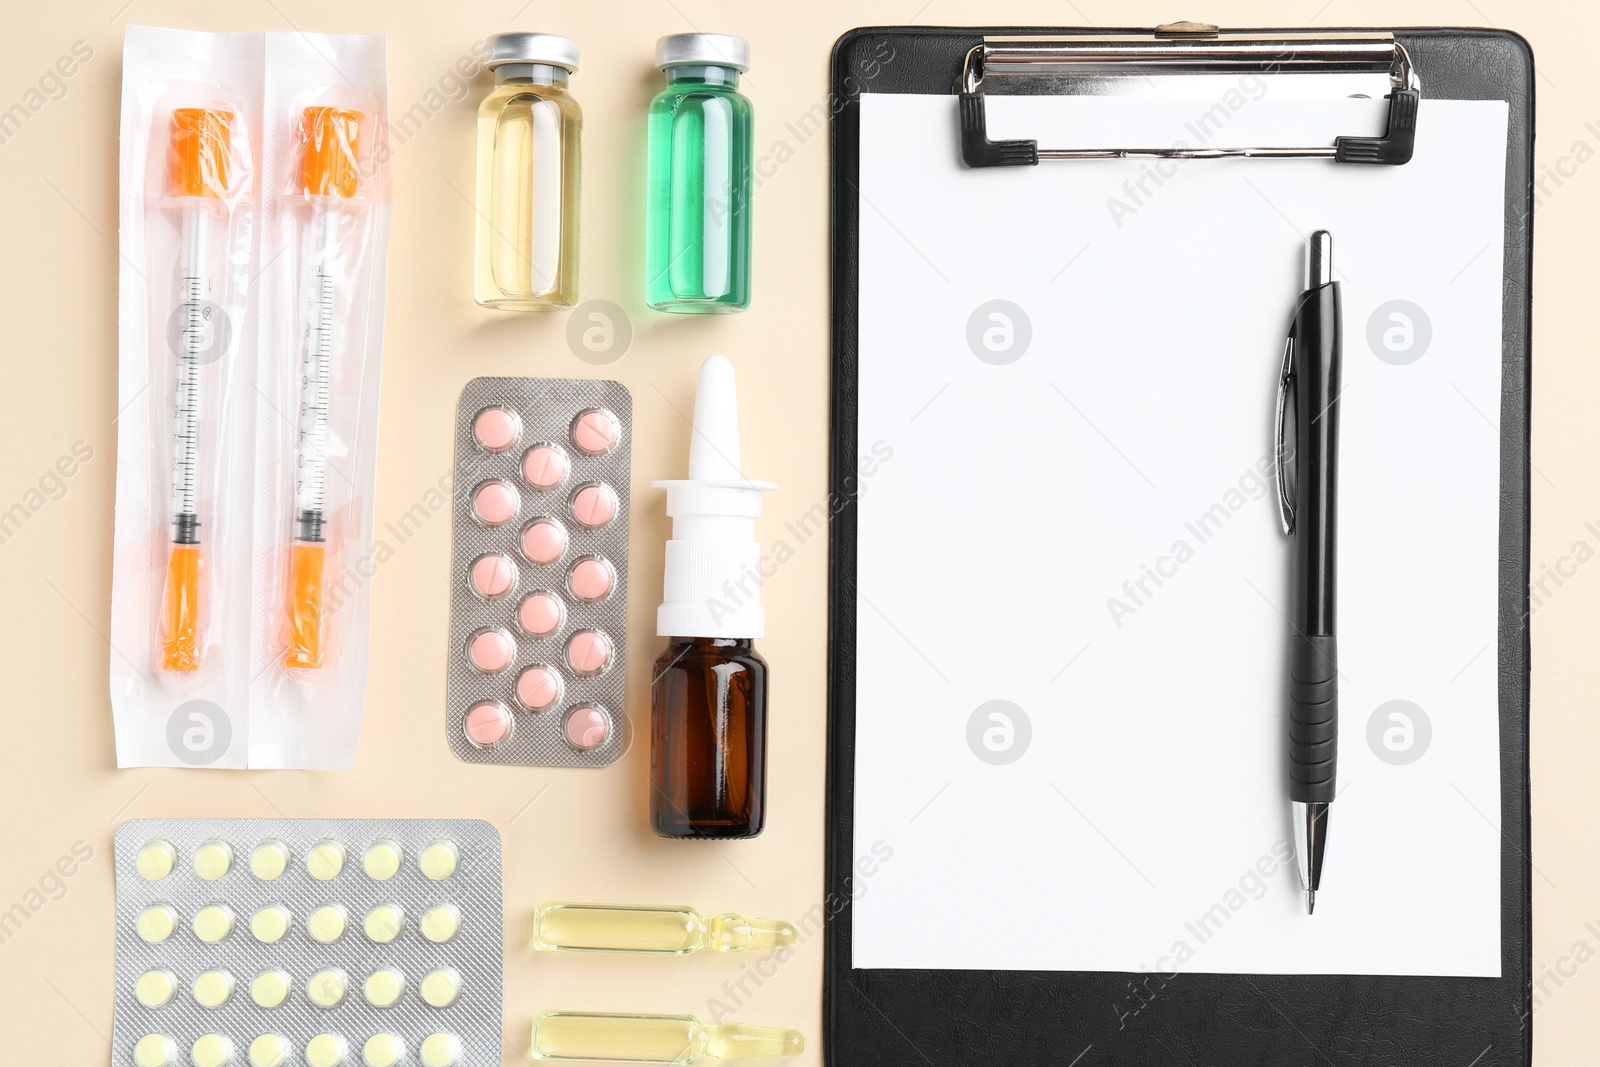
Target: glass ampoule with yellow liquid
[[529, 167], [678, 931], [596, 1036]]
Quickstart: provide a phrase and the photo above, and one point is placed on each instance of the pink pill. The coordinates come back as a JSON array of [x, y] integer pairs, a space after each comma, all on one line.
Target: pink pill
[[595, 431], [487, 724], [540, 614], [496, 429], [543, 540], [594, 505], [495, 502], [493, 575], [538, 688], [588, 652], [545, 466], [590, 578], [491, 650], [587, 727]]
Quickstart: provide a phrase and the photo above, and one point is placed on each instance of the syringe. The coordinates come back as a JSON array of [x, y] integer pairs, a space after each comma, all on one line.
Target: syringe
[[201, 174], [329, 176]]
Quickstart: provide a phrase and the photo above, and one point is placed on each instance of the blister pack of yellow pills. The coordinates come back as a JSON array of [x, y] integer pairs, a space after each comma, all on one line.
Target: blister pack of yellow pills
[[327, 942]]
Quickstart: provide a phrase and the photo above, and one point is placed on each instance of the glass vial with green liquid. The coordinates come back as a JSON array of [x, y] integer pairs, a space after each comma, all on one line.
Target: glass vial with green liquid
[[697, 224], [529, 131]]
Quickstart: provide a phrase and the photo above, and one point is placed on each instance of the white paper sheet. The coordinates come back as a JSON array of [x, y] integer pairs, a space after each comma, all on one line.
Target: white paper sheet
[[1088, 532]]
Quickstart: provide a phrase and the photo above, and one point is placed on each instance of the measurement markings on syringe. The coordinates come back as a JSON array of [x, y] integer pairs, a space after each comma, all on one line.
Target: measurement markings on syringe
[[193, 312], [316, 384]]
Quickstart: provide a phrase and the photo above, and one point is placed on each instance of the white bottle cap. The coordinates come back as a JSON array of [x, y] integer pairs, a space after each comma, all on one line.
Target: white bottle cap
[[713, 570]]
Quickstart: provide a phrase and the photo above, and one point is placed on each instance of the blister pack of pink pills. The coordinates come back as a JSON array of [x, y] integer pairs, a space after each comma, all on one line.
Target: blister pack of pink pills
[[539, 572]]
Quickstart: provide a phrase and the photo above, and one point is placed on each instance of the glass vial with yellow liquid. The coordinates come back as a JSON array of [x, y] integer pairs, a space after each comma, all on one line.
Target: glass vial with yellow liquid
[[529, 135]]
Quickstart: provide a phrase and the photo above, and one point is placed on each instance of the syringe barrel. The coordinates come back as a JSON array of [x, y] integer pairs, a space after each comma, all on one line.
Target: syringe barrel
[[195, 213], [316, 375], [193, 333]]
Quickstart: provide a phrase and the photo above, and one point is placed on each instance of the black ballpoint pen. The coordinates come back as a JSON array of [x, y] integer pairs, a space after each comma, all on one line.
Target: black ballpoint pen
[[1311, 359]]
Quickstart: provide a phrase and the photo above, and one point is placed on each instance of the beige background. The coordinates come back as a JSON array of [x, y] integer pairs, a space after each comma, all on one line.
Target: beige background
[[579, 834]]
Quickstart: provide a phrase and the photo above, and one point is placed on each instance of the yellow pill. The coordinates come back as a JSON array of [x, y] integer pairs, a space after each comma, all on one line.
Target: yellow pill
[[327, 923], [213, 923], [213, 988], [383, 923], [270, 924], [269, 860], [154, 1050], [211, 1050], [155, 988], [156, 923], [327, 988], [383, 860], [441, 988], [439, 924], [327, 1050], [155, 860], [269, 1050], [270, 988], [326, 860], [212, 860], [441, 1050], [384, 987], [383, 1050], [439, 860]]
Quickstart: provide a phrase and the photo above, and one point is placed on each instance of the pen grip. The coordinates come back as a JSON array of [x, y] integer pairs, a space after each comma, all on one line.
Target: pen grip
[[1313, 717]]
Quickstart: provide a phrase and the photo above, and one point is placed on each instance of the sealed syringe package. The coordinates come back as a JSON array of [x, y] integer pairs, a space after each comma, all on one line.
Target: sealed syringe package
[[181, 592], [254, 239], [324, 251]]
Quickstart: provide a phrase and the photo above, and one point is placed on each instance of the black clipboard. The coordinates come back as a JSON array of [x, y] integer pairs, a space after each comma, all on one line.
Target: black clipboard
[[920, 1018]]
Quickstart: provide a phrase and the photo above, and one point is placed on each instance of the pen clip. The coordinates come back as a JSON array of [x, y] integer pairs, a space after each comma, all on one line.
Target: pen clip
[[1285, 381]]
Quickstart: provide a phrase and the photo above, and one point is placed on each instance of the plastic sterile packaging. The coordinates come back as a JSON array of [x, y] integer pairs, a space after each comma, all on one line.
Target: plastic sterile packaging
[[253, 240]]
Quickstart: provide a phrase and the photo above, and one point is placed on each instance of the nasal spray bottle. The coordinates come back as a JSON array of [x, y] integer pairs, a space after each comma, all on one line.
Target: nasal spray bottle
[[708, 702]]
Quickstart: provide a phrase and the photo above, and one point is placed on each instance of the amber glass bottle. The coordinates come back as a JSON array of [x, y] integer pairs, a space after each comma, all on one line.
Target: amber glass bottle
[[708, 745]]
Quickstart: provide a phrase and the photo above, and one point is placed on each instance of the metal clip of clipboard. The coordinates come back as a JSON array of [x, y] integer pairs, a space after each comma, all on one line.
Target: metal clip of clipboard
[[1109, 63]]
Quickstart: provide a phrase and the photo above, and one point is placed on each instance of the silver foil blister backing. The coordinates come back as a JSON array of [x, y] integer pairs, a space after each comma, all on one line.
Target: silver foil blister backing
[[475, 952], [545, 409]]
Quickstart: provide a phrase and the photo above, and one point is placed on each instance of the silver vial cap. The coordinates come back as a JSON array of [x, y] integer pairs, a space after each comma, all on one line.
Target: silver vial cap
[[548, 48], [710, 49]]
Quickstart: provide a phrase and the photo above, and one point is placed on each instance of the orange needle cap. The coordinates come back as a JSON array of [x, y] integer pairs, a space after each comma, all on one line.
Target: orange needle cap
[[330, 161], [202, 152]]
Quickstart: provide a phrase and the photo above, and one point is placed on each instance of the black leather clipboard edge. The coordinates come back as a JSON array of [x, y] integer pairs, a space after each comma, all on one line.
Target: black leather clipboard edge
[[882, 1018]]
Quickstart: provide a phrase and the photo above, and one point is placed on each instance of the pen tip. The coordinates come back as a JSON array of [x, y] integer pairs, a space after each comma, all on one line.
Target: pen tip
[[1311, 901]]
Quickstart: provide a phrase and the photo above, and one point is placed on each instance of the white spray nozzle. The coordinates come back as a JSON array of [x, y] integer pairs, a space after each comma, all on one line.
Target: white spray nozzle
[[713, 569], [714, 448]]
